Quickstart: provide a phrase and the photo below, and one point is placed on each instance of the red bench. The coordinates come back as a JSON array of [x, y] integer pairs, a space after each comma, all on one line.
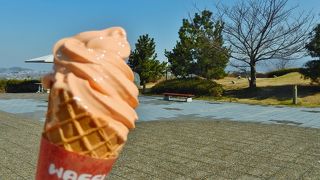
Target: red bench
[[188, 97]]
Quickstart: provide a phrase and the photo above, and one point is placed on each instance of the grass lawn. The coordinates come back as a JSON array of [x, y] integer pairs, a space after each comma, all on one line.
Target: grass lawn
[[271, 91]]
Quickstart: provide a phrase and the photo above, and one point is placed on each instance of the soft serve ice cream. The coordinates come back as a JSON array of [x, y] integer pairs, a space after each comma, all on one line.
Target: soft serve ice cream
[[91, 66], [91, 102]]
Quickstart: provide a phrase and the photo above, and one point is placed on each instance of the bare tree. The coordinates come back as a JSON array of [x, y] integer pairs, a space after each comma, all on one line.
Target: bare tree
[[279, 64], [262, 30]]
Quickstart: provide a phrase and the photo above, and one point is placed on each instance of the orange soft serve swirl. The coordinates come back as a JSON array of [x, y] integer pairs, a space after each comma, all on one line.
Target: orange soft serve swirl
[[91, 65]]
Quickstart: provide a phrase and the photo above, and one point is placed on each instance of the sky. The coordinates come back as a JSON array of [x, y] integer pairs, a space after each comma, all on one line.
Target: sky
[[29, 29]]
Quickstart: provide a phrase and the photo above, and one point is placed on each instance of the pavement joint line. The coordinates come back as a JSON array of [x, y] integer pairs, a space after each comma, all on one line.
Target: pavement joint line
[[174, 155], [281, 170], [145, 172], [191, 159], [13, 172], [8, 125], [17, 144], [307, 171], [275, 173], [170, 170], [260, 177], [122, 177], [310, 170], [31, 164], [229, 177]]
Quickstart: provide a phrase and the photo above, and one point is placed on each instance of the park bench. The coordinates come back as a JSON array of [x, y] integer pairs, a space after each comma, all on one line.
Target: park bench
[[188, 97]]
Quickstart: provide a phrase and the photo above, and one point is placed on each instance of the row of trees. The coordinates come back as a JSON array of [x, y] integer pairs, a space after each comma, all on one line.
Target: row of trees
[[199, 51], [248, 33]]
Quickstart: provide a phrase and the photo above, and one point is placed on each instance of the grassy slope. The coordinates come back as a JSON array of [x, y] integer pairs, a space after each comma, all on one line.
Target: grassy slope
[[288, 79], [275, 91], [270, 91]]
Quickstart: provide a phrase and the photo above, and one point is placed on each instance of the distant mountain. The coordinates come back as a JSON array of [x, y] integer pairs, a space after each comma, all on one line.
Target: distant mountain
[[20, 73], [14, 69], [18, 69], [2, 70]]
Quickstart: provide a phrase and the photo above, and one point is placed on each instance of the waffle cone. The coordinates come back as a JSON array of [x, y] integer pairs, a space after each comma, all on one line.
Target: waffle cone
[[70, 126]]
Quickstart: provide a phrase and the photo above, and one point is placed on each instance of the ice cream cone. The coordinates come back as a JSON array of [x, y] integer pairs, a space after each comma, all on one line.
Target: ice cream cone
[[91, 106], [77, 130]]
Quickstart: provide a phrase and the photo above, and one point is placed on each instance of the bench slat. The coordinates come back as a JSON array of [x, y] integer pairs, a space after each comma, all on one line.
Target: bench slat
[[178, 94]]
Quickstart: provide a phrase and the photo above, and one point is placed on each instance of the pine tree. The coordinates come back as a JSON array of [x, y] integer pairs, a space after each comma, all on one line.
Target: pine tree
[[314, 45], [143, 61], [312, 68], [200, 50]]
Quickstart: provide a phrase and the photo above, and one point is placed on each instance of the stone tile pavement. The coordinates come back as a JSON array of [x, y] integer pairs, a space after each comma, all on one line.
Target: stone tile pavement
[[187, 144], [188, 148], [204, 149], [19, 142]]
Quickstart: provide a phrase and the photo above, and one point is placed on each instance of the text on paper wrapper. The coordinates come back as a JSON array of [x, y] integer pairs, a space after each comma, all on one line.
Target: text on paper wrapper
[[66, 174]]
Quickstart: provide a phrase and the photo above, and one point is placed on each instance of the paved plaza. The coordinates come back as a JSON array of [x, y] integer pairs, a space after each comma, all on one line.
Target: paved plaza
[[177, 140], [155, 108]]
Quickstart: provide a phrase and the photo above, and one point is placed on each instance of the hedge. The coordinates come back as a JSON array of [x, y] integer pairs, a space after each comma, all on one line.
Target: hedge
[[196, 86], [3, 84], [282, 72], [19, 86]]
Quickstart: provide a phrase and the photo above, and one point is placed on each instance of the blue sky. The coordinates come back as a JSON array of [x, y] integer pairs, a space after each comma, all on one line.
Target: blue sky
[[30, 28]]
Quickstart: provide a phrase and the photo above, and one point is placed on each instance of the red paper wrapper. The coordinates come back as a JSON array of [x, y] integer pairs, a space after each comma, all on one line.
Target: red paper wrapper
[[55, 163]]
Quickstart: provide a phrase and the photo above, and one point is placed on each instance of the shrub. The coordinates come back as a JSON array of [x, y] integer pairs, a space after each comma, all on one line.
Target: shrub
[[312, 71], [21, 86], [3, 84], [261, 75], [282, 72], [196, 86]]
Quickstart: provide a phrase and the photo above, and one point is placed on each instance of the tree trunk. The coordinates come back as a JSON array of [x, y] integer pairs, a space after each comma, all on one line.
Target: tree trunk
[[143, 87], [166, 74], [253, 79]]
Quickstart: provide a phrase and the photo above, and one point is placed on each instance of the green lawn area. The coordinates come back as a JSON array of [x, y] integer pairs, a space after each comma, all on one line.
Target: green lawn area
[[271, 91]]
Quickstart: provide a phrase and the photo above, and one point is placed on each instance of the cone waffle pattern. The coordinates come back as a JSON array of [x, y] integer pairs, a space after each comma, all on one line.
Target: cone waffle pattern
[[78, 131]]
